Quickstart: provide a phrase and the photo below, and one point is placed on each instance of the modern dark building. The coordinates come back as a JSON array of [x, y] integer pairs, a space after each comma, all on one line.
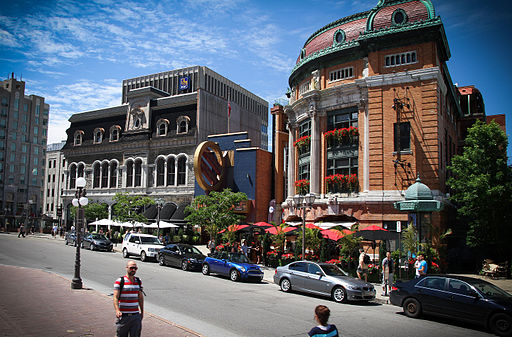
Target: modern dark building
[[23, 135], [145, 146]]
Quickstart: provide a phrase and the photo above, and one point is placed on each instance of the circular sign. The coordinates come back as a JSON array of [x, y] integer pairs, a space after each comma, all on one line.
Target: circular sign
[[209, 166]]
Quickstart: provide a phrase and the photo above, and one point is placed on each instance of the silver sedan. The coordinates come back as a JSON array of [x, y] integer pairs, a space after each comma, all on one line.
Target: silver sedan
[[323, 279]]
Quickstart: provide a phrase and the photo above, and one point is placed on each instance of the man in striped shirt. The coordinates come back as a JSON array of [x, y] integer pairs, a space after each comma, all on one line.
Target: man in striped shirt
[[127, 301]]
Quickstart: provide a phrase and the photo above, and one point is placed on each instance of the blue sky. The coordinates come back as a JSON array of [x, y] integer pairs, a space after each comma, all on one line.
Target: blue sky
[[76, 53]]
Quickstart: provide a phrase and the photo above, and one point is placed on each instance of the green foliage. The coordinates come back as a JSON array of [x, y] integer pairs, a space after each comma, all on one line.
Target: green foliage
[[482, 185], [215, 211], [409, 240], [126, 207], [349, 246], [95, 211]]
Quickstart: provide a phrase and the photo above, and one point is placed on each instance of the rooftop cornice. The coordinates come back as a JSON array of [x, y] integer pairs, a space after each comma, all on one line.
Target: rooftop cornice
[[101, 113]]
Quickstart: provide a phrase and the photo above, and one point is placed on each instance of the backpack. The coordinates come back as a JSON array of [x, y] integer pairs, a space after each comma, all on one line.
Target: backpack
[[366, 259], [137, 280]]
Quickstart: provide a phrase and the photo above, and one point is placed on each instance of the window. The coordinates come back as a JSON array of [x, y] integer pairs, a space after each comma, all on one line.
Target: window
[[96, 175], [339, 37], [171, 172], [78, 138], [104, 175], [129, 174], [24, 148], [402, 136], [36, 161], [72, 176], [160, 172], [114, 133], [38, 107], [98, 135], [459, 287], [25, 107], [113, 175], [304, 171], [399, 17], [138, 173], [13, 146], [341, 74], [161, 127], [401, 59], [182, 124], [313, 269], [36, 150], [304, 87], [299, 266], [182, 170]]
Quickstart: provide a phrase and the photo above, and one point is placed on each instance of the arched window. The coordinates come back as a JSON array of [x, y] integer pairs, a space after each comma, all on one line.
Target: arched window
[[72, 176], [113, 174], [114, 133], [96, 175], [81, 170], [129, 174], [182, 170], [138, 173], [104, 175], [98, 135], [78, 138], [182, 124], [160, 172], [161, 127], [171, 171]]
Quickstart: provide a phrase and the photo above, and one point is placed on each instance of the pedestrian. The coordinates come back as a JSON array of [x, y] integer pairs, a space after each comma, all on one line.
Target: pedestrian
[[72, 228], [388, 267], [129, 303], [54, 231], [322, 314], [245, 248], [22, 230], [362, 268], [421, 266], [211, 245]]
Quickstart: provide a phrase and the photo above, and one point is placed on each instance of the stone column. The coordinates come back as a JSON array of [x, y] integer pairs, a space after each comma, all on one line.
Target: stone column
[[144, 175], [315, 156], [291, 158]]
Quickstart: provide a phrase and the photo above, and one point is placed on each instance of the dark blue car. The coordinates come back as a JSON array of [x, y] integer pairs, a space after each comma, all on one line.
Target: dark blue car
[[234, 265]]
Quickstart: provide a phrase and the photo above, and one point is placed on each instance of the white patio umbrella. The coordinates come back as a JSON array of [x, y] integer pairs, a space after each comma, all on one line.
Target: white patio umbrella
[[104, 222], [163, 224], [131, 224]]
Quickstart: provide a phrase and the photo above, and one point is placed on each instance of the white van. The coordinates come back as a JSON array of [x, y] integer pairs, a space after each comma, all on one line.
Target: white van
[[143, 245]]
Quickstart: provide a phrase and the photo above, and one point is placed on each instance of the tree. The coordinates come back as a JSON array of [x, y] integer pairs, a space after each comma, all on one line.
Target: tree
[[215, 211], [129, 208], [92, 211], [482, 189]]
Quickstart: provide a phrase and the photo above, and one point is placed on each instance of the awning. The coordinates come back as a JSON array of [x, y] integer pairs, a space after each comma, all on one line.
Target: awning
[[325, 225], [151, 212], [167, 211], [179, 214]]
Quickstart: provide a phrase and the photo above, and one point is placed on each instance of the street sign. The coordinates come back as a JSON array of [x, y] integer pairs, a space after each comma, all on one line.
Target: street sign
[[398, 226]]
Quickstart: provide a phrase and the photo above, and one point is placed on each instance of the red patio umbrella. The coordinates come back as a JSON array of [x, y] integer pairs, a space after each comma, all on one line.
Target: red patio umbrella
[[312, 226], [332, 234], [262, 224], [234, 228], [278, 230], [374, 232]]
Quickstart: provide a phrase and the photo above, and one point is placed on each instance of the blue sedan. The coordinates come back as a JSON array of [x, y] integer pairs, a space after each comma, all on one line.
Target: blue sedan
[[234, 265]]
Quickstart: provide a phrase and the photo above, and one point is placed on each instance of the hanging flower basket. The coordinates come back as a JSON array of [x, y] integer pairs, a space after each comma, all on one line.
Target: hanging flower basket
[[302, 186], [342, 183], [342, 136], [302, 142]]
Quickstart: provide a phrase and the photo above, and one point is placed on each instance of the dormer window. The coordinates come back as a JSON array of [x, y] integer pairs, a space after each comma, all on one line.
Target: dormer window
[[77, 139], [399, 17], [339, 37], [182, 124], [98, 135], [115, 132], [162, 126], [137, 122]]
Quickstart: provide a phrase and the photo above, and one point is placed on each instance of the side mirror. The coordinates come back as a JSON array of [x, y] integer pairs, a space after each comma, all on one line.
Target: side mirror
[[319, 273], [137, 241], [474, 294]]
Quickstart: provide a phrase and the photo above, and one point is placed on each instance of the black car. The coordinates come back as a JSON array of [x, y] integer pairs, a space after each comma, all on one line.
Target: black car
[[459, 297], [70, 238], [95, 241], [181, 255]]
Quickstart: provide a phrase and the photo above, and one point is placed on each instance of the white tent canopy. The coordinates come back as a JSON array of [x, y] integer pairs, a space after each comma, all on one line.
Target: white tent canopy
[[163, 224], [324, 225], [131, 224]]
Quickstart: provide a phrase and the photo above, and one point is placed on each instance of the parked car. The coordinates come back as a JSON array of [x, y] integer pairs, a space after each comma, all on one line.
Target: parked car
[[181, 255], [143, 245], [95, 241], [463, 298], [323, 279], [70, 238], [234, 265]]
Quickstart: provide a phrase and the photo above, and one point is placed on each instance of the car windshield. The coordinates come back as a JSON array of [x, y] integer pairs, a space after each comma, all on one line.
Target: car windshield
[[190, 250], [237, 257], [99, 237], [333, 270], [150, 240], [489, 289]]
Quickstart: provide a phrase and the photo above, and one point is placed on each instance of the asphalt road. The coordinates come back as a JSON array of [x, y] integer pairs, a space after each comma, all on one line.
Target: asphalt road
[[215, 306]]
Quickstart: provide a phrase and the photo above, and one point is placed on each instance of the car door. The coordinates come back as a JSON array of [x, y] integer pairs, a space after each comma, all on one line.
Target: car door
[[87, 241], [174, 256], [133, 244], [463, 301], [298, 272], [432, 294], [216, 261], [315, 280]]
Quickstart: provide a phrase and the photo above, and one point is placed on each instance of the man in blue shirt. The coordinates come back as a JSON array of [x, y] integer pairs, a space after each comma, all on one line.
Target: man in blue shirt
[[422, 268]]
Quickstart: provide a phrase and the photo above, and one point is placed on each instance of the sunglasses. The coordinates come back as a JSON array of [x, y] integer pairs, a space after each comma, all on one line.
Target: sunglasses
[[133, 268]]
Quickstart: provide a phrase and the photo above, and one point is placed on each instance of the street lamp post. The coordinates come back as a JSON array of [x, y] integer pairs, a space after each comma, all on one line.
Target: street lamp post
[[159, 203], [79, 201], [300, 201]]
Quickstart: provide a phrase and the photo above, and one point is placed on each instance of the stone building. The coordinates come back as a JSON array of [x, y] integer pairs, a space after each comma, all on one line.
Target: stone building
[[372, 105], [55, 180], [145, 146], [23, 135]]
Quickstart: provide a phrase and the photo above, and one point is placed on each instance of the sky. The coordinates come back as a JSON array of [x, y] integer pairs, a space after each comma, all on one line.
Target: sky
[[76, 53]]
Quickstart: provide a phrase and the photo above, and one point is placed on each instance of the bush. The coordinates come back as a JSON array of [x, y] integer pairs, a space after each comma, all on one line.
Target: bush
[[176, 238]]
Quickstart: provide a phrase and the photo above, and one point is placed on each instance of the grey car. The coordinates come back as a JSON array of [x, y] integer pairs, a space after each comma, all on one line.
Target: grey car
[[323, 279]]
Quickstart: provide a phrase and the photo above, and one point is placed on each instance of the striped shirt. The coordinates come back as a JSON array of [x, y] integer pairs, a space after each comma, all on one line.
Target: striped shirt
[[129, 297]]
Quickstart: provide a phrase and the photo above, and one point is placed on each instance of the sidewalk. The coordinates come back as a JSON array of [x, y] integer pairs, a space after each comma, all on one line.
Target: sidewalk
[[39, 303]]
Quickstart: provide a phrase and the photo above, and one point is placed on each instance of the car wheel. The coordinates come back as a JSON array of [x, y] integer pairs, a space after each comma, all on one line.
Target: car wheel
[[501, 324], [125, 253], [143, 256], [205, 269], [412, 308], [184, 265], [92, 247], [286, 285], [234, 275], [339, 295], [161, 260]]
